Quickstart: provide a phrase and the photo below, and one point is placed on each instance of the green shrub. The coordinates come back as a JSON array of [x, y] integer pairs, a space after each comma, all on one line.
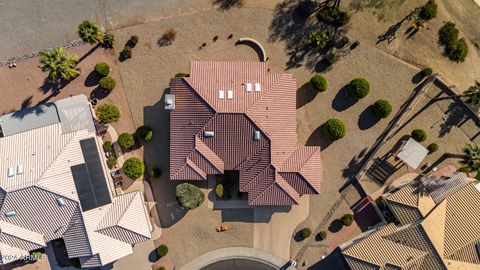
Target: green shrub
[[161, 268], [448, 34], [144, 132], [429, 10], [464, 170], [333, 16], [419, 135], [90, 32], [181, 75], [331, 58], [219, 190], [133, 168], [189, 195], [102, 69], [321, 235], [108, 40], [347, 219], [126, 53], [334, 129], [107, 84], [306, 8], [382, 108], [107, 146], [318, 83], [305, 233], [457, 51], [161, 250], [111, 162], [359, 88], [155, 173], [132, 42], [426, 72], [36, 255], [126, 141], [108, 113], [432, 148]]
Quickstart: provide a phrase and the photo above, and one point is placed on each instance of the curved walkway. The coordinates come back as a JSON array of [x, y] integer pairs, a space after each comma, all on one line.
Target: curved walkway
[[230, 253]]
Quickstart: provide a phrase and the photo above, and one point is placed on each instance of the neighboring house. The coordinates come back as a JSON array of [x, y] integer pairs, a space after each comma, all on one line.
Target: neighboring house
[[238, 116], [54, 184], [448, 237], [416, 199]]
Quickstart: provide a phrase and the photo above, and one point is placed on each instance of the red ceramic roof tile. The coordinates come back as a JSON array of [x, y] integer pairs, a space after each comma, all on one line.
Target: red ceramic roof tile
[[273, 170]]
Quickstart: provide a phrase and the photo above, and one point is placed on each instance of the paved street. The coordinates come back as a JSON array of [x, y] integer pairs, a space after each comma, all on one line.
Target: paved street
[[45, 23]]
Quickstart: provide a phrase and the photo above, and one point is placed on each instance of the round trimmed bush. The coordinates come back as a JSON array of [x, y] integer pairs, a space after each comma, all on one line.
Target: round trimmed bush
[[161, 250], [111, 162], [133, 168], [144, 132], [181, 75], [333, 16], [219, 190], [102, 69], [126, 141], [334, 129], [161, 268], [419, 135], [347, 219], [321, 235], [457, 51], [359, 88], [318, 83], [429, 10], [432, 148], [448, 34], [155, 173], [305, 233], [190, 196], [382, 108], [107, 146], [108, 113], [107, 84], [426, 72]]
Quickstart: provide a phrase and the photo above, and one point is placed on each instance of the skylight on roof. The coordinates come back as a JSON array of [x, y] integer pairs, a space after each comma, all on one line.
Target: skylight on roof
[[230, 94], [248, 87], [208, 133], [258, 87], [61, 201], [10, 214], [19, 168], [10, 172], [256, 135], [221, 94]]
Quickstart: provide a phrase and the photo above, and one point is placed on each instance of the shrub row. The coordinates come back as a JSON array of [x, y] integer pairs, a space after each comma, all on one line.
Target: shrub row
[[455, 49]]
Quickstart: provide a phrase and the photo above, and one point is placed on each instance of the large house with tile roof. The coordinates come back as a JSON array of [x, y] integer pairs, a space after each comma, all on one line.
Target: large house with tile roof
[[239, 116], [54, 184], [447, 237]]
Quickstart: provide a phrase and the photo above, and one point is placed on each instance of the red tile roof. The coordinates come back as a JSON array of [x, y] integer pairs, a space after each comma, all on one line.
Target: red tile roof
[[272, 169]]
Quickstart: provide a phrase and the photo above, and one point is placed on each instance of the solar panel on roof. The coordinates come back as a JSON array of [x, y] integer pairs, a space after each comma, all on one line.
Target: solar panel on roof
[[89, 178]]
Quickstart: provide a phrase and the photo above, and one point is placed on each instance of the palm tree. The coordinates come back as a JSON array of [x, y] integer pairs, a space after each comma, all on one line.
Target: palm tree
[[59, 64], [471, 158], [473, 94], [90, 32], [318, 39]]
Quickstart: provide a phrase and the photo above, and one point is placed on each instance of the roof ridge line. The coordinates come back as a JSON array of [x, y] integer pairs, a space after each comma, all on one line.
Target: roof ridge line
[[122, 212], [197, 139]]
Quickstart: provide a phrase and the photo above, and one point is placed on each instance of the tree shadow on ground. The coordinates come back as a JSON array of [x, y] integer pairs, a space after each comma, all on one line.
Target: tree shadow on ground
[[343, 100], [92, 79], [305, 95], [334, 261], [157, 155], [323, 66], [26, 103], [456, 116], [224, 5], [298, 236], [367, 119], [417, 78], [53, 86], [152, 256], [98, 93], [288, 27], [391, 32], [355, 164], [87, 54], [335, 226], [317, 138]]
